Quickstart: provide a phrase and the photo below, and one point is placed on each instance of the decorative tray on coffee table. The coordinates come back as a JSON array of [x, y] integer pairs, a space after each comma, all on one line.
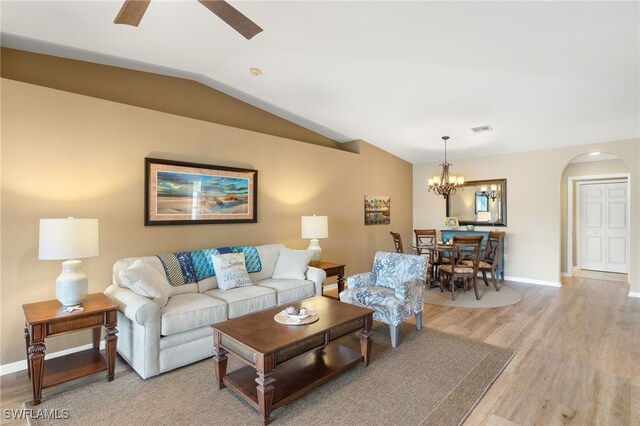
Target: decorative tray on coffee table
[[291, 319]]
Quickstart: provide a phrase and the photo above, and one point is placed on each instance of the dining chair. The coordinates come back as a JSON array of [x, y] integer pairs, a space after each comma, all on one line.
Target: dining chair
[[397, 241], [465, 252], [424, 237], [491, 258]]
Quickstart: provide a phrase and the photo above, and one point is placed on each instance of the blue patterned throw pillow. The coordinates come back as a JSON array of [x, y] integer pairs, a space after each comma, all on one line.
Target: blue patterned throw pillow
[[178, 268]]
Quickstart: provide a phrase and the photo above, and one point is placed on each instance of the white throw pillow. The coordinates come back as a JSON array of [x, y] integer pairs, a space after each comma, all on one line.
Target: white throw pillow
[[231, 270], [292, 264], [145, 280]]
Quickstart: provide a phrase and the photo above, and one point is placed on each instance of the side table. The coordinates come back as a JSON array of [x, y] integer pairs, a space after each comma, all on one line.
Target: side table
[[44, 319], [332, 270]]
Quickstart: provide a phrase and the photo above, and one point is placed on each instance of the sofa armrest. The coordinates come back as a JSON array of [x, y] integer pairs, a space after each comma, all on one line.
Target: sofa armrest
[[318, 276], [360, 280], [139, 309]]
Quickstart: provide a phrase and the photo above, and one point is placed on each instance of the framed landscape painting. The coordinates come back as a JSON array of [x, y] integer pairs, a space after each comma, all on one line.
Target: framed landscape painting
[[179, 193], [377, 210]]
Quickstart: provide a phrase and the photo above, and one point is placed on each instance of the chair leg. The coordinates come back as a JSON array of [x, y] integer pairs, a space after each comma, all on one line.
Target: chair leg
[[484, 277], [453, 288], [419, 320], [395, 331], [494, 280], [475, 287]]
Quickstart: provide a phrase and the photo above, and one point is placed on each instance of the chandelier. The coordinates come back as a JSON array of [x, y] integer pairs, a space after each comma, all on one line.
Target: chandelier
[[445, 184]]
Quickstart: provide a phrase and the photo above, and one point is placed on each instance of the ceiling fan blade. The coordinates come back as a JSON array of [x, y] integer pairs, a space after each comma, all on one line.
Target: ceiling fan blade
[[233, 17], [131, 12]]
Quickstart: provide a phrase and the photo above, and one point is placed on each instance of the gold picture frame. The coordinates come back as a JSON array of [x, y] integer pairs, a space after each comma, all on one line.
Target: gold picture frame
[[452, 222]]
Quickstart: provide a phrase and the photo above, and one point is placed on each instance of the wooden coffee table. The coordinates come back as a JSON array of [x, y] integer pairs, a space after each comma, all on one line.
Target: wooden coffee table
[[287, 361]]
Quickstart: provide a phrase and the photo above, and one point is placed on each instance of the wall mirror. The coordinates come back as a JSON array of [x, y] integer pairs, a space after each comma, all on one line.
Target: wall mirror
[[480, 203]]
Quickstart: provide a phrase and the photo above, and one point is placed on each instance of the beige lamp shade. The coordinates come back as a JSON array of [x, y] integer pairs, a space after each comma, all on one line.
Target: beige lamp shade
[[315, 227], [68, 238]]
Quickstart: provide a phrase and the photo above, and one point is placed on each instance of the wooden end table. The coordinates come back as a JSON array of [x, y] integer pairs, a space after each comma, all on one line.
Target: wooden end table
[[284, 362], [44, 319], [332, 270]]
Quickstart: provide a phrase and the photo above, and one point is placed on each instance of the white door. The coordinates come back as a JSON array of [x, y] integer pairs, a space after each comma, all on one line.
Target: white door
[[604, 227]]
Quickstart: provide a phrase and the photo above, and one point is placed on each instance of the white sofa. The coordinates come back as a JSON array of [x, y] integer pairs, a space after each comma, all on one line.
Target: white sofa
[[155, 339]]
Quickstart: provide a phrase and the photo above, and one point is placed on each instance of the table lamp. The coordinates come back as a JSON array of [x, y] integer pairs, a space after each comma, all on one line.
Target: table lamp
[[313, 228], [69, 239]]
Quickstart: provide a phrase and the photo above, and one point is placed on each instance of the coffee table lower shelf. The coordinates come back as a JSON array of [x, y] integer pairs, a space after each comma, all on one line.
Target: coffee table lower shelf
[[297, 376]]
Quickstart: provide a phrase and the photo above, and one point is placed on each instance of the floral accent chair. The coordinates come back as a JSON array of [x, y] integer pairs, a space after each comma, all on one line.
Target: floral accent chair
[[393, 290]]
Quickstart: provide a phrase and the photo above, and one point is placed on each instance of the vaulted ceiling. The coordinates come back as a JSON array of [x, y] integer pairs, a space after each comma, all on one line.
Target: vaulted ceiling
[[398, 75]]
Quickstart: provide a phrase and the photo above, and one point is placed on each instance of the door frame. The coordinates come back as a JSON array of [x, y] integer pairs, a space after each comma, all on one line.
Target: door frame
[[587, 179]]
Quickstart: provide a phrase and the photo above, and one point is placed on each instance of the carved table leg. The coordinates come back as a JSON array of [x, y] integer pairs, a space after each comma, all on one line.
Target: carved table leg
[[264, 367], [110, 342], [36, 361], [219, 359], [340, 281], [26, 341], [95, 334], [365, 339]]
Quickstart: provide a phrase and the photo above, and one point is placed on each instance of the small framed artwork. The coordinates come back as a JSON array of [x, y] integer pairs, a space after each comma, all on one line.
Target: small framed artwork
[[377, 210], [179, 193], [452, 222]]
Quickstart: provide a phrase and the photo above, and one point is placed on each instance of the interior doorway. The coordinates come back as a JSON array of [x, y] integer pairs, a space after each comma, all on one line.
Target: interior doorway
[[588, 171], [602, 226]]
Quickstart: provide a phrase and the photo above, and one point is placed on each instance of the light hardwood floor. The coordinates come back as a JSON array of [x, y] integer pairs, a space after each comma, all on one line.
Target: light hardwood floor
[[577, 360]]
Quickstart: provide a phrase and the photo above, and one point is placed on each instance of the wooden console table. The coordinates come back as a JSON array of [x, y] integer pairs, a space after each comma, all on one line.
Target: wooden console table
[[332, 270], [44, 319]]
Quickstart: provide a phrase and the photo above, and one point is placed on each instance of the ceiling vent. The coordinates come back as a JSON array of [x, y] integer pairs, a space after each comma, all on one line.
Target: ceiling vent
[[486, 128]]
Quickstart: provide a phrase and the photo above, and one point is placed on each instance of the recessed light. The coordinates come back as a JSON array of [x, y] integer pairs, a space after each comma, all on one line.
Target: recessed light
[[255, 71], [594, 153]]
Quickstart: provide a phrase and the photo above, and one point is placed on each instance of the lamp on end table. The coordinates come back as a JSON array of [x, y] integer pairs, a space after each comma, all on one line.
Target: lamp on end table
[[313, 228], [69, 239]]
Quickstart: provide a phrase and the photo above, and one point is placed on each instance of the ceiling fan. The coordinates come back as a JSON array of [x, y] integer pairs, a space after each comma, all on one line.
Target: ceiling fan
[[132, 11]]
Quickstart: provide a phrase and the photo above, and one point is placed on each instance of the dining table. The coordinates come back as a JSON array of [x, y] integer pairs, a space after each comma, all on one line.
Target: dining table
[[436, 256]]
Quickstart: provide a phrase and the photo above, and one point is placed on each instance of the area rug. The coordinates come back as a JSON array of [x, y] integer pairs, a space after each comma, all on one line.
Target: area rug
[[489, 297], [431, 378]]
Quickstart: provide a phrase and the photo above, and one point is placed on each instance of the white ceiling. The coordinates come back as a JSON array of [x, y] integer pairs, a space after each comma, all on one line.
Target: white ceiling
[[398, 75]]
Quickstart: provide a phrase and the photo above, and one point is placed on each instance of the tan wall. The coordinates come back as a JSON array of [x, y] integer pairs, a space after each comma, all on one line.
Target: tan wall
[[65, 154], [592, 168], [534, 218]]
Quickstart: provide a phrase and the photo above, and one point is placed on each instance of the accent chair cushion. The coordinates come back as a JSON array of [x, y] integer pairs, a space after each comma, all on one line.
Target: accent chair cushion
[[231, 270], [145, 280], [386, 307], [292, 264]]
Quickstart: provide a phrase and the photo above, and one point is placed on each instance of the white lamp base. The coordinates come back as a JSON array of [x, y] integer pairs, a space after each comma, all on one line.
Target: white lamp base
[[72, 284], [314, 246]]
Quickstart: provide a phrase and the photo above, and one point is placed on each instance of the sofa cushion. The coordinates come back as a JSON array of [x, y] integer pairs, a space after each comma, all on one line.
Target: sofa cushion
[[231, 270], [145, 280], [269, 254], [289, 290], [292, 264], [188, 311], [244, 300]]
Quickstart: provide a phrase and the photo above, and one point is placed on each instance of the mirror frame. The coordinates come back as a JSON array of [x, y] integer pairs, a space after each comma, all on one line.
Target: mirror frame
[[503, 204]]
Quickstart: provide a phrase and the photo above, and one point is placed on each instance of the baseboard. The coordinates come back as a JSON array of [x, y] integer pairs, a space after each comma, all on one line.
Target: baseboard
[[330, 287], [565, 274], [22, 365], [634, 294], [532, 281]]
